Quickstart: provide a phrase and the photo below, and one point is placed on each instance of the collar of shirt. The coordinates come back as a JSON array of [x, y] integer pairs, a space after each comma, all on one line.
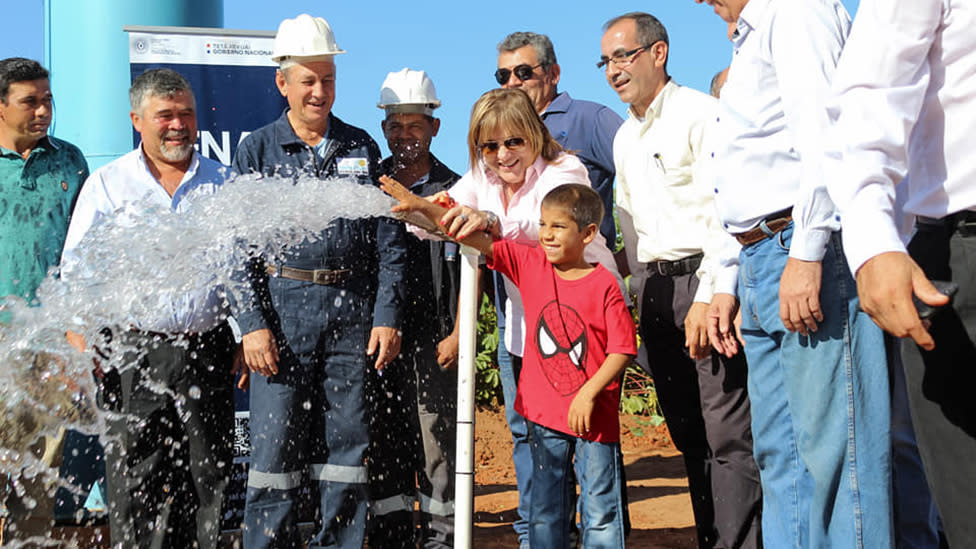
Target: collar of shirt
[[559, 104], [183, 189], [43, 144], [653, 111], [749, 19], [423, 179], [532, 174], [285, 135]]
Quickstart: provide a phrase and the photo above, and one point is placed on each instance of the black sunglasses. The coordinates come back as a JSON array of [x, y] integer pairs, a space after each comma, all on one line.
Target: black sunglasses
[[512, 143], [523, 72]]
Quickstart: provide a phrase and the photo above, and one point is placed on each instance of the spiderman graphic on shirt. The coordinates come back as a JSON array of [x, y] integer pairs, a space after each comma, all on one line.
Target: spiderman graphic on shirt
[[562, 343]]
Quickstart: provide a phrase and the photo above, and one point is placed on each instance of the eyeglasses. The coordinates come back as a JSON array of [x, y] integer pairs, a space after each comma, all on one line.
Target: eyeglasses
[[523, 72], [622, 59], [491, 147]]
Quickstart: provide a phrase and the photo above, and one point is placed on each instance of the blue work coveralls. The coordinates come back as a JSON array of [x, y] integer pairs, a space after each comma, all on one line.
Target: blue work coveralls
[[308, 422]]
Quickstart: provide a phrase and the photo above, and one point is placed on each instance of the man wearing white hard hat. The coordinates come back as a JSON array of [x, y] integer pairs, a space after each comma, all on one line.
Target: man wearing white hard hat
[[423, 384], [323, 319]]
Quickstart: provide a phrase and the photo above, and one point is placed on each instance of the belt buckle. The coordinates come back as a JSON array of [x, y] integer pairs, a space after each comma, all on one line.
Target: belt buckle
[[662, 268], [323, 277]]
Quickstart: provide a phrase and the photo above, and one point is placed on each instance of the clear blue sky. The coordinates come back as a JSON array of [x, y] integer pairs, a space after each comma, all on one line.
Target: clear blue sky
[[454, 41]]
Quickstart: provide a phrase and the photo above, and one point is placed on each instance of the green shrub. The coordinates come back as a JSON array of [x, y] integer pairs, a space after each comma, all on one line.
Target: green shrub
[[488, 380]]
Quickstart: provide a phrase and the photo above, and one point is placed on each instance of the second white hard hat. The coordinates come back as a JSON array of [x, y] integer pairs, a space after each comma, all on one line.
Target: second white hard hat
[[304, 36], [408, 91]]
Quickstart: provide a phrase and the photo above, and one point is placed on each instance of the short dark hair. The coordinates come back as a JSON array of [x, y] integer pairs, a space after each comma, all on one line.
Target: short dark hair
[[580, 201], [650, 30], [18, 69], [156, 83]]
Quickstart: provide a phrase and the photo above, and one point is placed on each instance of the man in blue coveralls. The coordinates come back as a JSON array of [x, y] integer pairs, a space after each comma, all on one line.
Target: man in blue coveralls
[[316, 316]]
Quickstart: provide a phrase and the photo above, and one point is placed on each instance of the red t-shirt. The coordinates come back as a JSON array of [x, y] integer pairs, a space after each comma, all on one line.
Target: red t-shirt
[[571, 327]]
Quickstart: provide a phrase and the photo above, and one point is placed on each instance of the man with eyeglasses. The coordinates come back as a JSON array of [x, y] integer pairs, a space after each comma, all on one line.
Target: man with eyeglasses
[[667, 218], [527, 60], [818, 378]]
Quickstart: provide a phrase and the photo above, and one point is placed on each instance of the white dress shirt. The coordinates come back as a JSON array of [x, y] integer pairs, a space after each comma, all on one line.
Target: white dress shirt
[[128, 180], [771, 128], [905, 102], [662, 184], [483, 190]]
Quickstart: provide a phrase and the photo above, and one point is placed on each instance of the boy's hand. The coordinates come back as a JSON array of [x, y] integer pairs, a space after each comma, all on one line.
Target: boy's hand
[[580, 413], [443, 200]]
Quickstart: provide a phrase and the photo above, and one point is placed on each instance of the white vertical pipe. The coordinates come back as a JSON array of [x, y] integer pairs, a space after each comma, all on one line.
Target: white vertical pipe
[[467, 348]]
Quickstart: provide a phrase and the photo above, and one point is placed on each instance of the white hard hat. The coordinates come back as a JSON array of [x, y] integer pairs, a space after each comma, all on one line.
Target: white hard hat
[[408, 91], [304, 36]]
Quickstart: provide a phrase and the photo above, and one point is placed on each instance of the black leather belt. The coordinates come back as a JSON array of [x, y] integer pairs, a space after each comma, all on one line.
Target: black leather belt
[[678, 267], [323, 277], [963, 222], [769, 226]]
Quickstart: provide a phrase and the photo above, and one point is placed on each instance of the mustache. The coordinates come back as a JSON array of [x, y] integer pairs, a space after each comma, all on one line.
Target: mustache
[[176, 133]]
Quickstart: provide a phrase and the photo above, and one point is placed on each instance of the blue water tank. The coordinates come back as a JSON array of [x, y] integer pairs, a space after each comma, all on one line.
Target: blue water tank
[[87, 53]]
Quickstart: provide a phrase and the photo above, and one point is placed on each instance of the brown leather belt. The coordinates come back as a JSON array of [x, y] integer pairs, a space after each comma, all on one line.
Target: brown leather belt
[[767, 227], [323, 277]]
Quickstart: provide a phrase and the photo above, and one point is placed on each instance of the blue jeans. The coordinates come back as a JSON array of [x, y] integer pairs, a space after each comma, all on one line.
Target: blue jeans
[[821, 417], [510, 366], [600, 478]]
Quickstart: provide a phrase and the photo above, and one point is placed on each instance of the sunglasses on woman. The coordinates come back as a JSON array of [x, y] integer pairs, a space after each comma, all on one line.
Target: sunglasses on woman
[[491, 147], [523, 72]]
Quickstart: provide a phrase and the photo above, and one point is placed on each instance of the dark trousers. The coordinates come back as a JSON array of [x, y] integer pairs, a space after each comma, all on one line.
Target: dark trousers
[[941, 382], [413, 418], [168, 452], [393, 455], [706, 405]]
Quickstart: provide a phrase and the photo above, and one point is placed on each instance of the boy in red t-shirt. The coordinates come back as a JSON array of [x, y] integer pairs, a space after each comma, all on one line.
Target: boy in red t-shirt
[[580, 339]]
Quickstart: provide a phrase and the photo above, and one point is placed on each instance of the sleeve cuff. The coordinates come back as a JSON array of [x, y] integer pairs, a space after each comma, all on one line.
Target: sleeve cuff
[[867, 235], [726, 280], [251, 321], [809, 245], [704, 292], [386, 317]]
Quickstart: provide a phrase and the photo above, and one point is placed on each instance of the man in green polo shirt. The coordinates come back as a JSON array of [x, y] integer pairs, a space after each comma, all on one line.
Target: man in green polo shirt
[[40, 176]]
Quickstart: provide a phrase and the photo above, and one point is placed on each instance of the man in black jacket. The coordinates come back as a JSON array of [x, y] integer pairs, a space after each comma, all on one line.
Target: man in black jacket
[[413, 405]]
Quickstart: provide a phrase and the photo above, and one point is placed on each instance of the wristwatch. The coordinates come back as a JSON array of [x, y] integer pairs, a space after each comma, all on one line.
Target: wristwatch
[[492, 221]]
